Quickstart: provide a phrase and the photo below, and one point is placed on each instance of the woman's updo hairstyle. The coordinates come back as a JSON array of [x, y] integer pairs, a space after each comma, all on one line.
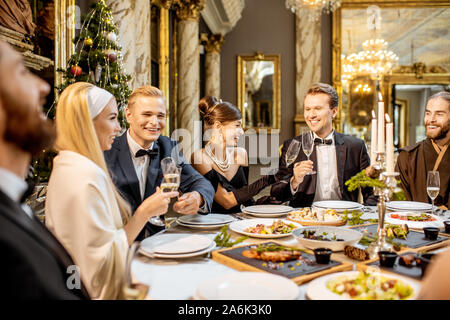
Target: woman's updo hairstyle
[[213, 110]]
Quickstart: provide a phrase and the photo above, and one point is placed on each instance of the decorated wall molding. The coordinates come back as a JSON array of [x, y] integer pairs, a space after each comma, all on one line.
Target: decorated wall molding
[[222, 15]]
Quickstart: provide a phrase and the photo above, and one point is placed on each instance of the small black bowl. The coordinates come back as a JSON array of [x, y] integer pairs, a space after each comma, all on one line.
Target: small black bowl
[[431, 233], [322, 255], [387, 258], [447, 226]]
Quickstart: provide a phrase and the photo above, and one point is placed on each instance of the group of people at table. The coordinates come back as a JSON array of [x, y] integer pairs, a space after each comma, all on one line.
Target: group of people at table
[[104, 188]]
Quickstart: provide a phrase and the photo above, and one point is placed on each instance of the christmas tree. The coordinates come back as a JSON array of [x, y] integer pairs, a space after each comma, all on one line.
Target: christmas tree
[[98, 58]]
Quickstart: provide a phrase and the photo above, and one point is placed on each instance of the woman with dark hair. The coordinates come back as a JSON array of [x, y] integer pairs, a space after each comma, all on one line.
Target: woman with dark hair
[[221, 161]]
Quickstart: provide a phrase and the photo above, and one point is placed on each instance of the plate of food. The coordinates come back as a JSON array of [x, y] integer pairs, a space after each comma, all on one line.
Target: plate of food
[[414, 220], [267, 211], [247, 286], [316, 217], [333, 238], [338, 205], [362, 285], [265, 228]]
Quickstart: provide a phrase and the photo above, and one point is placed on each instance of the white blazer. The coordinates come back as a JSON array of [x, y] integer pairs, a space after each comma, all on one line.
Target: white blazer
[[82, 212]]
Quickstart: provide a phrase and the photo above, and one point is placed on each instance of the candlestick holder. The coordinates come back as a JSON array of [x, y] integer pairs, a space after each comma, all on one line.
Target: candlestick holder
[[380, 163], [384, 194]]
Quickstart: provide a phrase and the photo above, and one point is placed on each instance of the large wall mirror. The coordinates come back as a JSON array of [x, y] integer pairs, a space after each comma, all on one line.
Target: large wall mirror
[[259, 91], [417, 32]]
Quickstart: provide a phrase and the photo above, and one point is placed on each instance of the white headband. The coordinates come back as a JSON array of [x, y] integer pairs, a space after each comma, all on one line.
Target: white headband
[[98, 98]]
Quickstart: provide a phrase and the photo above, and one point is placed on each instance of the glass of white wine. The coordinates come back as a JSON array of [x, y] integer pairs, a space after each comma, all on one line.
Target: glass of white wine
[[433, 186], [292, 152], [308, 146], [171, 182], [130, 289]]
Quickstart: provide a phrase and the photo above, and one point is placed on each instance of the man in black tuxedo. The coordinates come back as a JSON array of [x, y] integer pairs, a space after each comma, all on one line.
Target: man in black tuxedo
[[34, 264], [134, 160], [336, 157]]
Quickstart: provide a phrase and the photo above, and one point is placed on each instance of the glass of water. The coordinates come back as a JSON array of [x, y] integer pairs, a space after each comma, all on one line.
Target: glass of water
[[433, 186]]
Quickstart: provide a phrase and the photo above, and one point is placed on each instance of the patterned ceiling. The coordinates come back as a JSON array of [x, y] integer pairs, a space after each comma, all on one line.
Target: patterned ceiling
[[414, 34]]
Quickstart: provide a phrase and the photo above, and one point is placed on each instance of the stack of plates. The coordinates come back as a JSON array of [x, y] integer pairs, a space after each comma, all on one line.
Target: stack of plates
[[176, 245], [209, 221], [409, 206], [266, 211], [247, 286], [338, 205]]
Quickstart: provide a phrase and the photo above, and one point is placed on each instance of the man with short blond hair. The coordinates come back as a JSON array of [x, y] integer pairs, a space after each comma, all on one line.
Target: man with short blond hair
[[430, 154], [134, 159]]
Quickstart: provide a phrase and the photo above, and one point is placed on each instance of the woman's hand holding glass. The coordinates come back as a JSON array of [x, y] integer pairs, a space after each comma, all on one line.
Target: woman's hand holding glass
[[158, 203]]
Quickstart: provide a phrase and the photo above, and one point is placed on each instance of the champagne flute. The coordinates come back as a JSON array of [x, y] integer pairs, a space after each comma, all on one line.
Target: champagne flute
[[292, 152], [433, 186], [171, 182], [308, 146], [130, 290]]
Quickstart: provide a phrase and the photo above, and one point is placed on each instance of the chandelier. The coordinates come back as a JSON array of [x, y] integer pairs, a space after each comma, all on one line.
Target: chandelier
[[316, 7], [375, 60]]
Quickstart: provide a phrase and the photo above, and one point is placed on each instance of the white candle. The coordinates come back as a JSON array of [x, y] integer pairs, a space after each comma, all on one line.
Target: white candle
[[373, 139], [389, 145], [380, 139]]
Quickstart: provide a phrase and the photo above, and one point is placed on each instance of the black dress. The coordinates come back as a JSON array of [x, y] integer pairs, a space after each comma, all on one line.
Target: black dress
[[239, 186]]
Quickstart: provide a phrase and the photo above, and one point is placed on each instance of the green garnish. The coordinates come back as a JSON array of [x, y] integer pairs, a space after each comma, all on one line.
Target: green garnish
[[355, 218], [223, 238]]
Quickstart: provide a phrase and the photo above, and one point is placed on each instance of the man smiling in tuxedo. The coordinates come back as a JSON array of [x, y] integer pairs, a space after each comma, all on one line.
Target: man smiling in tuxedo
[[134, 159], [336, 157]]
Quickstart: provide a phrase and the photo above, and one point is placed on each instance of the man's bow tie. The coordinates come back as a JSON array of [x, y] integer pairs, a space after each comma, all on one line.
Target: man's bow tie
[[151, 153], [322, 141], [28, 192]]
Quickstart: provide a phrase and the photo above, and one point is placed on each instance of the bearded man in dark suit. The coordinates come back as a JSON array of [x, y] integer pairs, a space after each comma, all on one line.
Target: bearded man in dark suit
[[336, 157], [34, 264]]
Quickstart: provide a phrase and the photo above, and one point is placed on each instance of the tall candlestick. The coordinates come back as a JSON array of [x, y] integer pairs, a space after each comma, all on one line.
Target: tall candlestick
[[373, 140], [389, 145], [380, 140]]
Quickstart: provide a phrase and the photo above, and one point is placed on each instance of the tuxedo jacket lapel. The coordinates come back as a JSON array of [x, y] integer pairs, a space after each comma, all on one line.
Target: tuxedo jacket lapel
[[341, 151], [126, 164]]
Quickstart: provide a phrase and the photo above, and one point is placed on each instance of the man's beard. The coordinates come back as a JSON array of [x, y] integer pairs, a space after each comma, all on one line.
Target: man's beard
[[441, 134], [27, 128]]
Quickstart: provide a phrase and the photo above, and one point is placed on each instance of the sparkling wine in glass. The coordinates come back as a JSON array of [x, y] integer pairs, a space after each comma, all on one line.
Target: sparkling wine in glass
[[308, 146], [130, 290], [433, 186], [292, 152]]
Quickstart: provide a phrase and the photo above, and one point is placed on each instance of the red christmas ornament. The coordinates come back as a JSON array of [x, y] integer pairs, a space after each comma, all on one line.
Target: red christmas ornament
[[111, 55], [76, 71]]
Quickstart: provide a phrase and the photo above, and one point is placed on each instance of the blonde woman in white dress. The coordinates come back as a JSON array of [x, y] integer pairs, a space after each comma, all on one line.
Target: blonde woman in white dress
[[83, 208]]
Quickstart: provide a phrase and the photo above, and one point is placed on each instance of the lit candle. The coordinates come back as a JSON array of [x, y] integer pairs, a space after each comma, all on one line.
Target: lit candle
[[373, 139], [389, 145], [380, 139]]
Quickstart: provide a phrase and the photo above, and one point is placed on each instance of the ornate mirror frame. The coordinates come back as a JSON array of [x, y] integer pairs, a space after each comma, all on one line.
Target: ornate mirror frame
[[276, 108], [416, 74]]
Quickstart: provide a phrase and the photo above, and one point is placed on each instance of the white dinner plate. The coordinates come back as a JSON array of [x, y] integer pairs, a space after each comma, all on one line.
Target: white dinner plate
[[317, 288], [267, 209], [240, 225], [209, 219], [247, 286], [409, 206], [175, 243], [202, 227], [178, 256], [348, 237], [438, 223], [338, 205]]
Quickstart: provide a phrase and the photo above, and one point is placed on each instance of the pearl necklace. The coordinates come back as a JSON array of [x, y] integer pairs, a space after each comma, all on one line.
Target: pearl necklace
[[222, 165]]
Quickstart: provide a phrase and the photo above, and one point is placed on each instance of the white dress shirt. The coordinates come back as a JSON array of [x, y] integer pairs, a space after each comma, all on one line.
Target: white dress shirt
[[140, 163], [327, 183], [14, 187]]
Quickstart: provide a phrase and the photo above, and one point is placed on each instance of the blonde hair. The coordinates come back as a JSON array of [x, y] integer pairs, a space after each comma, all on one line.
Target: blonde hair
[[146, 91], [76, 132]]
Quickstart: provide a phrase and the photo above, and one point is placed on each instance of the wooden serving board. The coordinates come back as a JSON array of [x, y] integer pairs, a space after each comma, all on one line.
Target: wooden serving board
[[415, 240], [298, 272], [337, 223]]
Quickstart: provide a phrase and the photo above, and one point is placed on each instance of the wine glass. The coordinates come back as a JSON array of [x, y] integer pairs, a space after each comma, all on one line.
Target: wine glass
[[130, 290], [308, 145], [171, 182], [433, 186], [292, 152]]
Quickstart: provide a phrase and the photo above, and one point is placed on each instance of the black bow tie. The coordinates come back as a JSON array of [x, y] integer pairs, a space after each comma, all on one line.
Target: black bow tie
[[28, 192], [151, 153], [322, 141]]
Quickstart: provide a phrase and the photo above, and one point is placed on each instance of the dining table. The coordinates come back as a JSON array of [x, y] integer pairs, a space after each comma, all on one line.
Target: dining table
[[177, 279]]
